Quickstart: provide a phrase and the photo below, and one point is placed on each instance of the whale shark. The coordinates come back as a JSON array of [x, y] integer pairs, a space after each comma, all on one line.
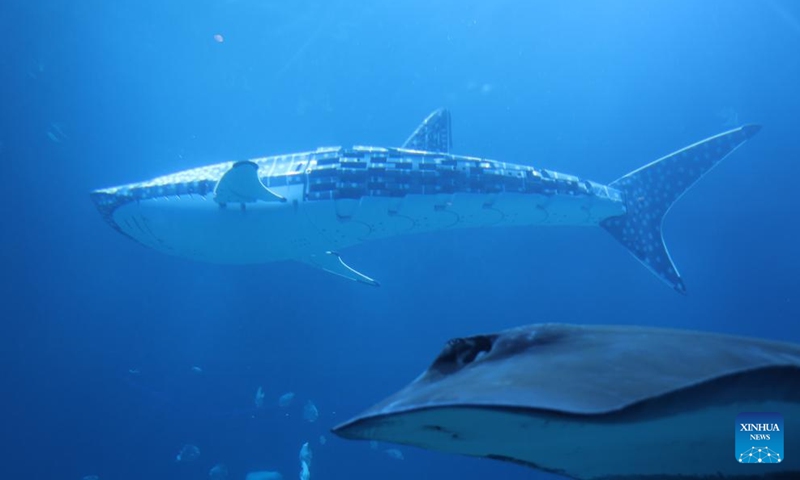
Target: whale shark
[[597, 402], [309, 206]]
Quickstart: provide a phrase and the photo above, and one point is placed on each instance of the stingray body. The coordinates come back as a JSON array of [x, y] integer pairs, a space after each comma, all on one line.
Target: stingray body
[[597, 402]]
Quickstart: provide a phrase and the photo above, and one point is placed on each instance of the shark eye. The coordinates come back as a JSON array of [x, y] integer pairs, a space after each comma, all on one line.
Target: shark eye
[[460, 352]]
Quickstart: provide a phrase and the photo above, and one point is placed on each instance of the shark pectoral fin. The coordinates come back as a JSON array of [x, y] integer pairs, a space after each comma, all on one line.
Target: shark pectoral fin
[[241, 184], [332, 262]]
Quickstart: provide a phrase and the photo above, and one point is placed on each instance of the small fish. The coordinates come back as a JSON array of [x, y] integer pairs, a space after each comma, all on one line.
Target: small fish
[[259, 398], [310, 412], [188, 453], [305, 461], [305, 471], [264, 475], [394, 453], [56, 134], [286, 399], [305, 453], [218, 472]]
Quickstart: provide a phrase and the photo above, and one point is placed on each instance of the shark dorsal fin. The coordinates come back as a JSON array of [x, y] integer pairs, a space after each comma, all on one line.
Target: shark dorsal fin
[[433, 134]]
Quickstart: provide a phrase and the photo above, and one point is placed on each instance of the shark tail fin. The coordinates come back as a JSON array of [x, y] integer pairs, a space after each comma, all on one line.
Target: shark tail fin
[[651, 190]]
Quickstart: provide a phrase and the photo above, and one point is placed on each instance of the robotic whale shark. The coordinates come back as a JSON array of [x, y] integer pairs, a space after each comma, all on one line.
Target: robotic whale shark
[[307, 206]]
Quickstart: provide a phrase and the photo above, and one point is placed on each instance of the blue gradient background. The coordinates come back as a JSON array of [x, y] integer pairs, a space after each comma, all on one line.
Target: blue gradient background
[[140, 88]]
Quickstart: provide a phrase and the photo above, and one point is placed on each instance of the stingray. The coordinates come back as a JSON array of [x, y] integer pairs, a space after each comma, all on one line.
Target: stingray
[[597, 402]]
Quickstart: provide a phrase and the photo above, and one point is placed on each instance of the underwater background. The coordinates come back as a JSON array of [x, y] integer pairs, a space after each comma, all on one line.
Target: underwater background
[[113, 356]]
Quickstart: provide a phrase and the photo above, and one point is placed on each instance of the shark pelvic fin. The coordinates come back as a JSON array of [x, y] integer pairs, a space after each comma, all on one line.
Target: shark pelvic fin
[[241, 184], [332, 262], [433, 134], [651, 191]]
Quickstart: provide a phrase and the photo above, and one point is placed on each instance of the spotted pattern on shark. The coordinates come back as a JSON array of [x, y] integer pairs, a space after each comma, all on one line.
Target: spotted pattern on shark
[[651, 190]]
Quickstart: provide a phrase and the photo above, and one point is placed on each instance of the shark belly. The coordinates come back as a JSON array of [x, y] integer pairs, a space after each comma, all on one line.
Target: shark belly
[[345, 222], [198, 228]]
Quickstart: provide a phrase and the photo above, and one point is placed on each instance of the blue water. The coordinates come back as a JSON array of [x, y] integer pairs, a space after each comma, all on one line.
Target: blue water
[[97, 93]]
